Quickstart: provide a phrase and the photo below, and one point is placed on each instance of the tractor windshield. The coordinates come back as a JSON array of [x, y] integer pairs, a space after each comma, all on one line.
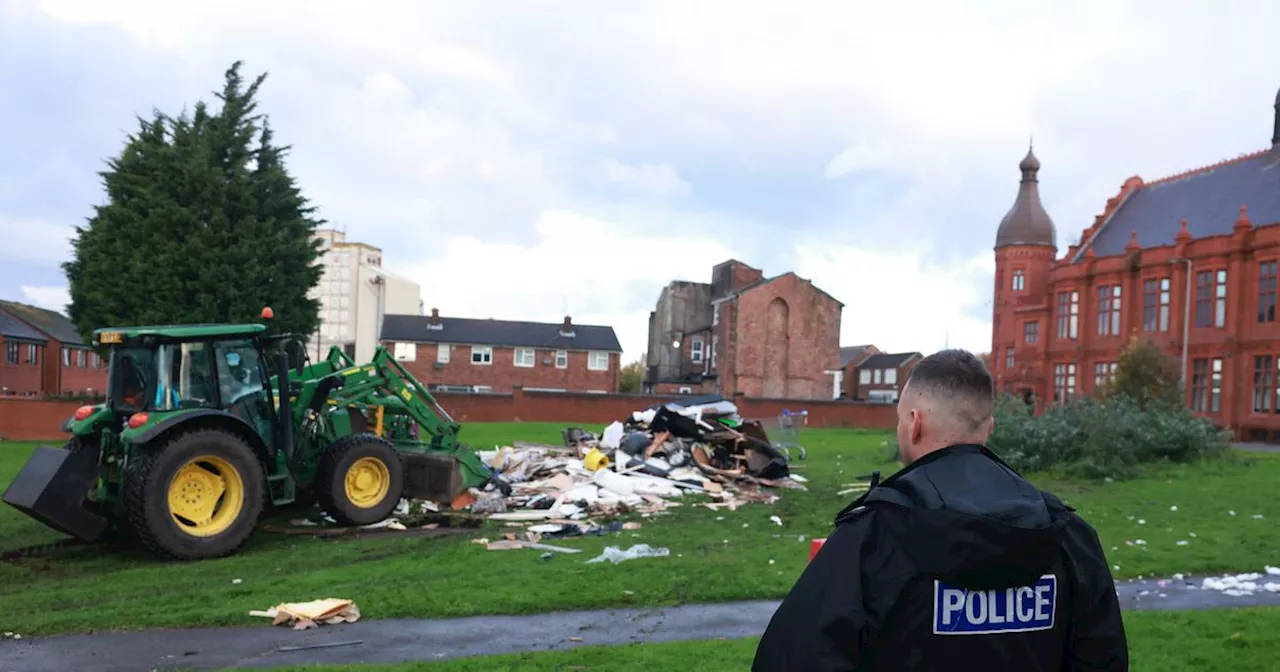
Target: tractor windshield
[[164, 378]]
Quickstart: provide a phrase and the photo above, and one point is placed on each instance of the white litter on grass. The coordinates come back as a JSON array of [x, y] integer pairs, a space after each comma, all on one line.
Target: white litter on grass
[[1183, 542], [776, 520], [1239, 585], [615, 554], [1231, 513], [1142, 522]]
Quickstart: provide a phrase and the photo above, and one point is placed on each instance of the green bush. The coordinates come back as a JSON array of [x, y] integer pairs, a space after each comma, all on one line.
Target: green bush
[[1103, 438], [1098, 438]]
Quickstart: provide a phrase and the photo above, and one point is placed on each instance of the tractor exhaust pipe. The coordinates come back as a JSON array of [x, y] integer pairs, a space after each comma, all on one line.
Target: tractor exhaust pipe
[[285, 413]]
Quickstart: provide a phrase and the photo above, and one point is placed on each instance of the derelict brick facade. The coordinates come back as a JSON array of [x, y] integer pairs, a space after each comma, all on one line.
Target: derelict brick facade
[[776, 337], [1060, 325], [786, 338], [36, 420], [502, 374]]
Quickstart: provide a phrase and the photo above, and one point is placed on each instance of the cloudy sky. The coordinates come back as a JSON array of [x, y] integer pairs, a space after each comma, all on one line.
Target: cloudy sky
[[521, 159]]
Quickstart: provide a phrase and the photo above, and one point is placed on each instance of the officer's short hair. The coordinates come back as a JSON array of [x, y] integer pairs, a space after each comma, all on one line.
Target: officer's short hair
[[957, 376]]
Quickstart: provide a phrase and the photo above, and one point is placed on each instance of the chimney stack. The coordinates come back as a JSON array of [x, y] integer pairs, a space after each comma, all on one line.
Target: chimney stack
[[567, 328], [435, 316]]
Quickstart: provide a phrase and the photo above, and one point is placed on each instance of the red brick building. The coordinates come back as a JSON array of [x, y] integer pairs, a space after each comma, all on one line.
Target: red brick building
[[468, 355], [850, 357], [879, 376], [1188, 261], [744, 333], [48, 342]]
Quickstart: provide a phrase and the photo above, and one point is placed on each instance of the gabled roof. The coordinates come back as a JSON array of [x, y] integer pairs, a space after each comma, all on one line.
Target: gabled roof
[[468, 331], [851, 352], [886, 360], [54, 325], [1209, 198], [13, 328], [764, 281]]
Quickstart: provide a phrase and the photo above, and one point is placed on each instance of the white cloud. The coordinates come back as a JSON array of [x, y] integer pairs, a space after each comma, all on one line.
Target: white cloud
[[898, 303], [583, 266], [661, 179], [50, 298], [462, 139], [34, 241]]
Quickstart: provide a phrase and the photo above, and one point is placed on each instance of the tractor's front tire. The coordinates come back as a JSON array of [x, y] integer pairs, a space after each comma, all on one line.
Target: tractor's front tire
[[359, 479], [197, 496]]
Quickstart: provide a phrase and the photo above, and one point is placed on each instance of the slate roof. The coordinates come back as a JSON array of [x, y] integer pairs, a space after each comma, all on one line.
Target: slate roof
[[887, 360], [850, 353], [1208, 198], [15, 329], [468, 331], [55, 325]]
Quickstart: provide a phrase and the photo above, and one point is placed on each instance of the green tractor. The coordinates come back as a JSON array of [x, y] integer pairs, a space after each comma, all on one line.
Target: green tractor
[[205, 427]]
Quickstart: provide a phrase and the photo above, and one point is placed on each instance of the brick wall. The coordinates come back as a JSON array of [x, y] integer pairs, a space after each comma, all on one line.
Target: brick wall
[[23, 377], [502, 373], [32, 420], [787, 338], [84, 372]]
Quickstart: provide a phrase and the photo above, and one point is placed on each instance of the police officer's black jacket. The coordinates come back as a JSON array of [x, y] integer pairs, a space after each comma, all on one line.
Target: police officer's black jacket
[[954, 563]]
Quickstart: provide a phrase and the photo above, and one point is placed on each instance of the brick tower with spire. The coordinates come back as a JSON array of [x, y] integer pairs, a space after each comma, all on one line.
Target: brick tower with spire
[[1026, 244]]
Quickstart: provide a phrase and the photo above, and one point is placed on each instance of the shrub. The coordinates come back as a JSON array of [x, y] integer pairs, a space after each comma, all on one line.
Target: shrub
[[1097, 438]]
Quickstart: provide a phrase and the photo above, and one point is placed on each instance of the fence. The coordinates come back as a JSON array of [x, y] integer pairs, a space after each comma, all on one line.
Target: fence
[[37, 420]]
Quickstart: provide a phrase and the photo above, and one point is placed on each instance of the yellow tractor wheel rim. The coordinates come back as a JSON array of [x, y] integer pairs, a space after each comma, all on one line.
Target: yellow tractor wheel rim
[[367, 483], [206, 496]]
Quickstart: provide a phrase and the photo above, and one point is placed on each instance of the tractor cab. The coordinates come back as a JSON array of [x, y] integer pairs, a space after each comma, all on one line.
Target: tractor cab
[[160, 370]]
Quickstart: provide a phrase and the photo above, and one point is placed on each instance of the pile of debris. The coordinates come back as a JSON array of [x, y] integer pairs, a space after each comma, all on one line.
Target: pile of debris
[[640, 465]]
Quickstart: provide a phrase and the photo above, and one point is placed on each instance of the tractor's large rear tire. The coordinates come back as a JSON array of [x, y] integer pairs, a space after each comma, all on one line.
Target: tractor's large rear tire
[[359, 479], [197, 496]]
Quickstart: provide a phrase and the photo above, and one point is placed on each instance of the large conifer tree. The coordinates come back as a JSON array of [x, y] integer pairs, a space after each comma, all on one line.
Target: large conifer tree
[[202, 223]]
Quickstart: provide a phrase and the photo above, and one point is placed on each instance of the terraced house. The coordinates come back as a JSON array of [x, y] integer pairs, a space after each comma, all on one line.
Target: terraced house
[[455, 354], [1189, 261], [44, 355]]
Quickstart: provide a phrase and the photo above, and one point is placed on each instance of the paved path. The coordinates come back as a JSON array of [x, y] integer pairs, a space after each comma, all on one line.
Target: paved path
[[394, 641], [1258, 447]]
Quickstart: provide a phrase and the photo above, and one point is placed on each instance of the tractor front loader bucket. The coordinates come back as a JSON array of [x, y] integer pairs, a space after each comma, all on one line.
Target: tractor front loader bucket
[[52, 487]]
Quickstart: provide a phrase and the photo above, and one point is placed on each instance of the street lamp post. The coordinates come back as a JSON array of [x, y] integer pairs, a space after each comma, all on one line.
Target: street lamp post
[[1186, 318]]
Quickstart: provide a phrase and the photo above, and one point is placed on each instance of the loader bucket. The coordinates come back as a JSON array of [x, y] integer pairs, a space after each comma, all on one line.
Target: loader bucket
[[52, 487], [435, 478]]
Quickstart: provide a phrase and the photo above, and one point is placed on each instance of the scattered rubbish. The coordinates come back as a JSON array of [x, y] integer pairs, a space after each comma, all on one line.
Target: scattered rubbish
[[236, 582], [615, 554], [643, 465], [305, 615]]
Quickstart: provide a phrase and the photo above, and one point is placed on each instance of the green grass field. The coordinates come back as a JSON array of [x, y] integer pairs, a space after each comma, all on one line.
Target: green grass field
[[1237, 640], [103, 589]]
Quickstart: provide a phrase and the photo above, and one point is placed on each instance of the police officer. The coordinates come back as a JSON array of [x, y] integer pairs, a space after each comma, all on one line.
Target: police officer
[[953, 563]]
